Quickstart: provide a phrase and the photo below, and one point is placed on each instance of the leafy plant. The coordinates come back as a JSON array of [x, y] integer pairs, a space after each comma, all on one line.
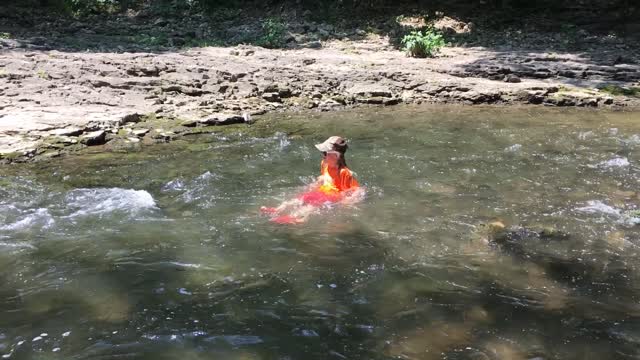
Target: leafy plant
[[273, 33], [84, 7], [5, 35], [42, 74], [618, 90], [570, 35], [423, 44], [633, 213]]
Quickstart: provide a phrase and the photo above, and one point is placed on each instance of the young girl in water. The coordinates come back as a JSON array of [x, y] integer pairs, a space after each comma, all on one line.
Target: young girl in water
[[335, 184]]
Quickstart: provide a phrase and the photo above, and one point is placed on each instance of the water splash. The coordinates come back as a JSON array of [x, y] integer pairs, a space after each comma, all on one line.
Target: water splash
[[598, 207], [513, 148], [18, 245], [284, 143], [617, 162], [173, 185], [38, 218], [199, 190], [102, 201]]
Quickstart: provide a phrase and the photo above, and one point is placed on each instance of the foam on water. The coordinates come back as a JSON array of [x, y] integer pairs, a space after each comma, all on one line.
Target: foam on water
[[18, 245], [631, 141], [513, 148], [101, 201], [598, 207], [33, 218], [584, 135], [283, 141], [198, 190], [207, 175], [617, 162], [174, 185], [22, 193]]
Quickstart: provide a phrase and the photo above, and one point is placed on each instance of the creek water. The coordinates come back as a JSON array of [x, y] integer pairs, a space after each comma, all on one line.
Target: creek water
[[163, 254]]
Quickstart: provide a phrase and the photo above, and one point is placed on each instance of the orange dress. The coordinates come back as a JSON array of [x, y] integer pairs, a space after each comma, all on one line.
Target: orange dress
[[334, 183], [342, 179]]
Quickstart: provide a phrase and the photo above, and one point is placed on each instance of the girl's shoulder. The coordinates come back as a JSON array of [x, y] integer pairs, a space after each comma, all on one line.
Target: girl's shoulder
[[346, 170]]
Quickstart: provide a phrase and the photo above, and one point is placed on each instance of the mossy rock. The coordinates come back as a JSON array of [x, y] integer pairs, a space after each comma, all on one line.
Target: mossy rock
[[621, 91], [12, 156]]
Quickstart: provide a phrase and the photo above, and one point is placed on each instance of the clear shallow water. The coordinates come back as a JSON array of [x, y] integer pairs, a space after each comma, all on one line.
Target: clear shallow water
[[163, 255]]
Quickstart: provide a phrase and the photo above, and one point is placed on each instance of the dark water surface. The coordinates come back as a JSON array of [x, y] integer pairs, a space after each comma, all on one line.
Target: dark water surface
[[162, 254]]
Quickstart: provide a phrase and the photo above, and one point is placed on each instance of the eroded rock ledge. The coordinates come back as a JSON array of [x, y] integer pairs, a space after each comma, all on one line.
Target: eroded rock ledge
[[52, 100]]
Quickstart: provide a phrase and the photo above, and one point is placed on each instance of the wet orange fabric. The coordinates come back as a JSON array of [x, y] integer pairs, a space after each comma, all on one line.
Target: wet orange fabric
[[342, 178]]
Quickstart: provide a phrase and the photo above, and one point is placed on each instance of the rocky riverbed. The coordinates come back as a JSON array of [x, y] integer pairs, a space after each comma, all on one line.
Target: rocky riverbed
[[55, 99]]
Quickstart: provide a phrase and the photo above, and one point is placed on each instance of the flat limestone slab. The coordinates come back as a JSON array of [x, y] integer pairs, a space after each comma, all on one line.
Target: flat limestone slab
[[29, 119], [42, 91]]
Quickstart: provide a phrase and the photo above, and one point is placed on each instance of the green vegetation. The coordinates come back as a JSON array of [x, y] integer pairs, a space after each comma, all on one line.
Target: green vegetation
[[273, 33], [633, 213], [423, 44], [185, 23], [160, 39], [203, 43], [618, 90], [5, 35], [571, 35], [324, 9], [81, 7], [43, 74]]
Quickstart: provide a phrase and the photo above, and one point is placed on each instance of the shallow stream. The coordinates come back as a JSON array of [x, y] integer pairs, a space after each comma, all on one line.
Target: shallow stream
[[162, 254]]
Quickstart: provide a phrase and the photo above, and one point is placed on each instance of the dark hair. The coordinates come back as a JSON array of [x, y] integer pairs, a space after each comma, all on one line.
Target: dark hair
[[341, 148], [341, 160]]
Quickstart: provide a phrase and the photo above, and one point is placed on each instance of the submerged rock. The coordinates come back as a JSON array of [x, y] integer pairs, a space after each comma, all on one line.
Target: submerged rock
[[521, 234], [549, 250]]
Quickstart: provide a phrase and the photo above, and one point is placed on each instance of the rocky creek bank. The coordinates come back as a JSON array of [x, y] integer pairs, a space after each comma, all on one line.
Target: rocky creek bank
[[55, 99]]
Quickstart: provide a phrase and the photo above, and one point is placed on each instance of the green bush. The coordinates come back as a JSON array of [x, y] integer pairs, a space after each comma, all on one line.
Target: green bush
[[618, 90], [273, 33], [423, 44], [81, 7]]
